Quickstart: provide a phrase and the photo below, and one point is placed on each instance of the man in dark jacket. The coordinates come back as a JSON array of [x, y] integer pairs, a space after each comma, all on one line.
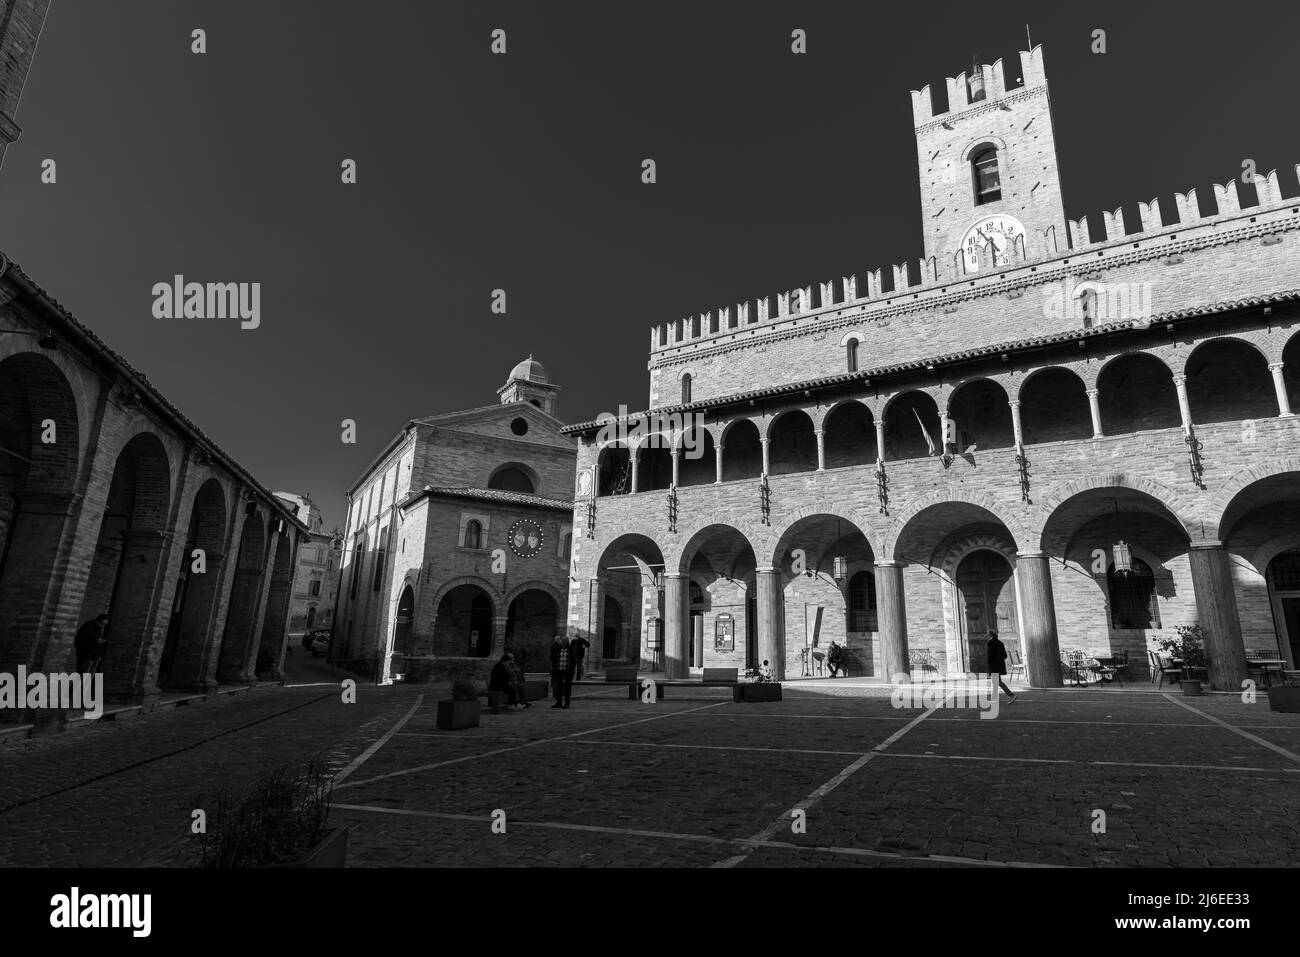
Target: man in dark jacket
[[578, 650], [504, 678], [998, 663], [90, 643], [561, 671]]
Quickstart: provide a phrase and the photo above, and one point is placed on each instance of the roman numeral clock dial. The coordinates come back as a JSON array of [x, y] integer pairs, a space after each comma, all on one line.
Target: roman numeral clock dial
[[1001, 231]]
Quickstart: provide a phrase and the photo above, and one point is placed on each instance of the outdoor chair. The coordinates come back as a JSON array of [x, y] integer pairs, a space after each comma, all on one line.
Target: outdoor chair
[[1164, 666], [1070, 671], [1120, 667], [1017, 664]]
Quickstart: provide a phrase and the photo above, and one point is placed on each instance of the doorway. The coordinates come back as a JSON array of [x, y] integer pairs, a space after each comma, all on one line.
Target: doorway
[[987, 593], [1283, 578]]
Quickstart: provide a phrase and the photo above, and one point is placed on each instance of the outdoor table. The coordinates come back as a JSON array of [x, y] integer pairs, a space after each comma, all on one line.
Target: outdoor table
[[1268, 666], [1105, 667]]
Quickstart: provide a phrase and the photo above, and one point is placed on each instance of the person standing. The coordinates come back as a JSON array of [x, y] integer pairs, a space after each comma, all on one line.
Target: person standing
[[90, 643], [578, 649], [561, 672], [998, 663]]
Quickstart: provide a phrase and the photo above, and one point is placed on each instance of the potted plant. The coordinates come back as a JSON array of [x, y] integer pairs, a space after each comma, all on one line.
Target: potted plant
[[1188, 647], [759, 685], [462, 711], [282, 820]]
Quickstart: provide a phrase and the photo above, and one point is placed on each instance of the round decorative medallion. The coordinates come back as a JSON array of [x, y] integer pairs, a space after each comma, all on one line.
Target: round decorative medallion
[[525, 538]]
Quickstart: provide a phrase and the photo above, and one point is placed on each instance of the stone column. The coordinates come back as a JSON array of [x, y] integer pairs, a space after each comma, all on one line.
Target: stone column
[[1015, 423], [880, 440], [595, 630], [140, 572], [891, 612], [717, 462], [499, 623], [632, 457], [675, 592], [1184, 407], [1216, 606], [1042, 646], [771, 621], [821, 449], [1094, 409], [1279, 386], [676, 453], [764, 441]]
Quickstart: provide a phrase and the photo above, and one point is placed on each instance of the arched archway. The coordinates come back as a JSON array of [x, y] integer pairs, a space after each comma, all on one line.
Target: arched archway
[[245, 596], [1054, 407], [1228, 380], [696, 464], [462, 627], [792, 444], [986, 590], [654, 463], [614, 470], [186, 658], [905, 437], [815, 559], [849, 435], [532, 622], [125, 574], [717, 562], [981, 416], [742, 452], [39, 461], [514, 477], [1136, 393], [1291, 372], [630, 572]]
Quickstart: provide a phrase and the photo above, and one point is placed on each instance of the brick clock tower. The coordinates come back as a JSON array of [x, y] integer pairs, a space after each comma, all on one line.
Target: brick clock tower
[[20, 29], [990, 183]]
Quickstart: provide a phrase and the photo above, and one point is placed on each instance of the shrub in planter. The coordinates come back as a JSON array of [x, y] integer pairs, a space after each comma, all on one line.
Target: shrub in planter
[[462, 711], [282, 820], [757, 686]]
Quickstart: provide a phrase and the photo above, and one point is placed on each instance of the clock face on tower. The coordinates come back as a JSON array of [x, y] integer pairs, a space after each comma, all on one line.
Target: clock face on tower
[[1000, 230]]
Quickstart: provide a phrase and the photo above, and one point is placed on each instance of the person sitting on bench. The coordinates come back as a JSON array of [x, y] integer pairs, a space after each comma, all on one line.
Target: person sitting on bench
[[836, 660], [502, 678]]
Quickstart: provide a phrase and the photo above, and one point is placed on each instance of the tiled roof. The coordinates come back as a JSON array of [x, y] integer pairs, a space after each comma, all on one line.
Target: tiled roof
[[144, 384], [915, 365], [493, 495]]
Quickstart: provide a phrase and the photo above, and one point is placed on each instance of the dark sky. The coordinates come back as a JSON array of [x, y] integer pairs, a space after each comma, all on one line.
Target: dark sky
[[523, 172]]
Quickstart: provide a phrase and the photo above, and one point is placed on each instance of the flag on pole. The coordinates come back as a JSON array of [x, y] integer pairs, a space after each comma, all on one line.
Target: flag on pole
[[929, 442]]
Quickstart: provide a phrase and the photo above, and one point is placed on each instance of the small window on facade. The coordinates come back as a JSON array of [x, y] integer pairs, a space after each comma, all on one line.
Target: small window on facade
[[686, 387], [473, 534], [519, 426], [564, 545], [379, 569], [984, 166], [862, 602], [356, 569], [851, 355], [314, 590]]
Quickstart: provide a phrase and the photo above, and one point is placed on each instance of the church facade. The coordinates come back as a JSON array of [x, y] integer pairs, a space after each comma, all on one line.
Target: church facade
[[458, 537], [1079, 435]]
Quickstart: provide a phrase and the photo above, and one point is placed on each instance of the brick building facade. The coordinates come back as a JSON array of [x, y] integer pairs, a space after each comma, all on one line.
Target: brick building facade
[[906, 460], [21, 22], [111, 500], [316, 575], [457, 539]]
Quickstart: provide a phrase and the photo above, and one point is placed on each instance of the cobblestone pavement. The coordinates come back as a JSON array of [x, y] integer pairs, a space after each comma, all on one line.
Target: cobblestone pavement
[[692, 781]]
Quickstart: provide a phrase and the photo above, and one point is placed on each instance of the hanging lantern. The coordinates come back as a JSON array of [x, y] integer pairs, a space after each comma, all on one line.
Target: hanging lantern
[[659, 580], [841, 569], [1123, 558]]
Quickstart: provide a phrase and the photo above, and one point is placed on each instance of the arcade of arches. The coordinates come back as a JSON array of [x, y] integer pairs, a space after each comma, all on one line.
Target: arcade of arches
[[126, 512]]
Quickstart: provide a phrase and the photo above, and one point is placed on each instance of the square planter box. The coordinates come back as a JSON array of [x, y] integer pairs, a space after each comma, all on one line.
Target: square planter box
[[1191, 687], [537, 689], [455, 715], [758, 691], [332, 851], [1285, 698]]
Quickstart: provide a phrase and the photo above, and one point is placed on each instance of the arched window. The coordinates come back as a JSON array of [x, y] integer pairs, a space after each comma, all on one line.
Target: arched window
[[851, 355], [862, 602], [511, 479], [473, 534], [686, 387], [1133, 602], [311, 617], [984, 168]]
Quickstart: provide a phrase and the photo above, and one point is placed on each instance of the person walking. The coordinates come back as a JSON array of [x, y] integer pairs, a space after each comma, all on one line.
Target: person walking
[[90, 643], [561, 671], [998, 663]]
